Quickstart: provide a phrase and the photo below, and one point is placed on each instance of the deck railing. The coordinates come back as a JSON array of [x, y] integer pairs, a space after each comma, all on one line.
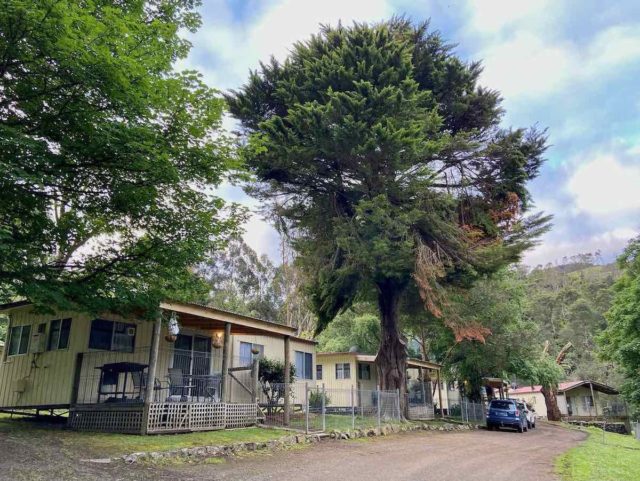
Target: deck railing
[[181, 376]]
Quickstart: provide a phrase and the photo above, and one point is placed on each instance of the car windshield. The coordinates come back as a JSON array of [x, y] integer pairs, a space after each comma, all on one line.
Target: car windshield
[[506, 405]]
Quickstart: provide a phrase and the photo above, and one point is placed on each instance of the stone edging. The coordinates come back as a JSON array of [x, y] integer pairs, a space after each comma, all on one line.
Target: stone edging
[[286, 441]]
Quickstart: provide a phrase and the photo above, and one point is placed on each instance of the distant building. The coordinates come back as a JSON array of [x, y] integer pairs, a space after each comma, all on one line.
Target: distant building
[[577, 400]]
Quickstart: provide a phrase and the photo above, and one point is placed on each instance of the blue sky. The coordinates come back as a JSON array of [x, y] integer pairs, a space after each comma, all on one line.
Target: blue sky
[[569, 66]]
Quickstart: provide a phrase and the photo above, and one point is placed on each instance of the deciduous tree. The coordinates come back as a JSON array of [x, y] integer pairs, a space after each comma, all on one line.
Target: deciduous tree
[[107, 154]]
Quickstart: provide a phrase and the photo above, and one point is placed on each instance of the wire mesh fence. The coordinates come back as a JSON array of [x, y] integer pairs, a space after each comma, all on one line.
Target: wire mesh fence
[[316, 408], [468, 412]]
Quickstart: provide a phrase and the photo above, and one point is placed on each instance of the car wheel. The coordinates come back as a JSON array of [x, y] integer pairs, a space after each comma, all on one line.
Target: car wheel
[[528, 425], [533, 426]]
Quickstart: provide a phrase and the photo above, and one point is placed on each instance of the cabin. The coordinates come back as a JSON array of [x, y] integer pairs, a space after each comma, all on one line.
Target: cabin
[[577, 400], [196, 368], [352, 377]]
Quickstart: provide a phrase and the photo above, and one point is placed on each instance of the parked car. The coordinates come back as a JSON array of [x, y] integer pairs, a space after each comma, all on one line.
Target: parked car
[[530, 414], [506, 413]]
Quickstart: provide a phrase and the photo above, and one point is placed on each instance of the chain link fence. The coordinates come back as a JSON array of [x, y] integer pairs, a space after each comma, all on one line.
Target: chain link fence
[[468, 412], [317, 409]]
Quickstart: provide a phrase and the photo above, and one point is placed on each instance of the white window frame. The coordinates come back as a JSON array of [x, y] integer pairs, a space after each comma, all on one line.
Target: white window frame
[[50, 331], [113, 334], [341, 369], [10, 339]]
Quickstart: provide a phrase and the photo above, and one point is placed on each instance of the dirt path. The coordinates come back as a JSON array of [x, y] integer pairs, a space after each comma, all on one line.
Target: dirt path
[[478, 455], [429, 456]]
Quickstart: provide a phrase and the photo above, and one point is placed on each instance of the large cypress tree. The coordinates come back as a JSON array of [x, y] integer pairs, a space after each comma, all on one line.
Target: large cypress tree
[[386, 159]]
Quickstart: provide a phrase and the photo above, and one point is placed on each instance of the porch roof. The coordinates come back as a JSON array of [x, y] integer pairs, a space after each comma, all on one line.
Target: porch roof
[[411, 362], [211, 318]]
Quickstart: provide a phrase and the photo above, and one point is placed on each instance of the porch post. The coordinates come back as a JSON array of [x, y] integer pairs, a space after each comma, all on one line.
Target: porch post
[[149, 390], [424, 394], [287, 371], [439, 393], [225, 362], [595, 406], [254, 380]]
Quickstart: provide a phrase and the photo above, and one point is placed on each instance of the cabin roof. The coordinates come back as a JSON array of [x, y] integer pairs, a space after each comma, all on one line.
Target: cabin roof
[[411, 362], [212, 318], [567, 386]]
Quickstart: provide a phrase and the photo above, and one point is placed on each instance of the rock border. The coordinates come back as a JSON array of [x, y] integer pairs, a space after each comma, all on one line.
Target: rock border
[[202, 452]]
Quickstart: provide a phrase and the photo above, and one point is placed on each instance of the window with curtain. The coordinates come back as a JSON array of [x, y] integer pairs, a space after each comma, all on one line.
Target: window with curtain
[[304, 365], [343, 370], [19, 340], [112, 336], [246, 354], [59, 330], [364, 372]]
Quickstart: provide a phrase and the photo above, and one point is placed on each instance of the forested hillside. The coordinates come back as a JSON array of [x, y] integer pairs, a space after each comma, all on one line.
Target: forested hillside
[[519, 310], [567, 303]]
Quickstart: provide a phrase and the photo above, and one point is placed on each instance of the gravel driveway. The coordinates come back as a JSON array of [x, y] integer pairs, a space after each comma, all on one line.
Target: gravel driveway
[[429, 456]]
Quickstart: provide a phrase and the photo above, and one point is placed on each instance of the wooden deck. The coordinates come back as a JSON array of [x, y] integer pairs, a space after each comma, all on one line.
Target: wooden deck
[[175, 417]]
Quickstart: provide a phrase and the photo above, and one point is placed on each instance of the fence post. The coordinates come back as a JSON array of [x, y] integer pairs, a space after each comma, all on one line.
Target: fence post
[[379, 406], [353, 409], [324, 416], [398, 402], [306, 402]]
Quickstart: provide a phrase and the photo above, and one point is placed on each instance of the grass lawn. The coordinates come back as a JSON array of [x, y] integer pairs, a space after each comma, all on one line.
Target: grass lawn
[[616, 460], [106, 444]]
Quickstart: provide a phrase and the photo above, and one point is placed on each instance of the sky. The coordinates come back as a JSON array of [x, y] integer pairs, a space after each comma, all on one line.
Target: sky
[[571, 67]]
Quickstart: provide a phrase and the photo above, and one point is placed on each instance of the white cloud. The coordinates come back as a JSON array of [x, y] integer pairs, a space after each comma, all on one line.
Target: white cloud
[[605, 186], [530, 62], [610, 243], [238, 48], [495, 15]]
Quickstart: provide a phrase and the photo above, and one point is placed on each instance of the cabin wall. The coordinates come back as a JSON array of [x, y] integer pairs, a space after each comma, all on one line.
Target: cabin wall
[[46, 378], [273, 349]]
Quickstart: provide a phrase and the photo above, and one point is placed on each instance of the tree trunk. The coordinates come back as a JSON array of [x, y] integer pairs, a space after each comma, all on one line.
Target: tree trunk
[[550, 399], [392, 355]]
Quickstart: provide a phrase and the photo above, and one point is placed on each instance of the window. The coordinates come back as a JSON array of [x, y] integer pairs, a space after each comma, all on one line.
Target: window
[[19, 340], [319, 372], [304, 365], [587, 402], [59, 330], [343, 370], [112, 336], [364, 372], [246, 354]]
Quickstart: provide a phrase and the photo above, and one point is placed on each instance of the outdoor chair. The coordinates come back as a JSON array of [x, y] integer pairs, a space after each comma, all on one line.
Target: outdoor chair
[[179, 384], [139, 380]]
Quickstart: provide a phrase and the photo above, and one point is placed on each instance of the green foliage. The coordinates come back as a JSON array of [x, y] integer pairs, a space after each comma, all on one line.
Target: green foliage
[[620, 342], [315, 399], [358, 326], [272, 371], [106, 154], [384, 158], [496, 304], [4, 322], [568, 303]]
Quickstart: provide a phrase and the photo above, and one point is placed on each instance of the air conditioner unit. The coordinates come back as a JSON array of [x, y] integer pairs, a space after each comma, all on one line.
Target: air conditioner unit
[[38, 342]]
